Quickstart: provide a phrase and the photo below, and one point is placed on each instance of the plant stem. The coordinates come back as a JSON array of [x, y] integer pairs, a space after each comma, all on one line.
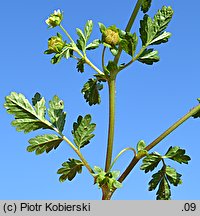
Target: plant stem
[[92, 65], [103, 57], [129, 26], [73, 147], [159, 139], [79, 154], [134, 58], [112, 89], [121, 152], [68, 35], [173, 127]]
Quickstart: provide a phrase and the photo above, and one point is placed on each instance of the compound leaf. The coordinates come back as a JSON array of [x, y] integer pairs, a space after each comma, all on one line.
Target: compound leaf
[[82, 131], [27, 117], [91, 91], [150, 162], [177, 154], [149, 56], [70, 169], [42, 143], [84, 37], [56, 114], [164, 177]]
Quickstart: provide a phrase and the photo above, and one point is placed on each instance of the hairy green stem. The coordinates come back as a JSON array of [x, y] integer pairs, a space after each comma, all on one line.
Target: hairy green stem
[[103, 57], [68, 35], [73, 147], [112, 89], [173, 127], [79, 154], [129, 26], [92, 65], [134, 58], [120, 153]]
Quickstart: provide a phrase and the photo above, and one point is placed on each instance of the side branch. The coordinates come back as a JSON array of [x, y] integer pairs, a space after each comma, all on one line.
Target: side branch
[[158, 140]]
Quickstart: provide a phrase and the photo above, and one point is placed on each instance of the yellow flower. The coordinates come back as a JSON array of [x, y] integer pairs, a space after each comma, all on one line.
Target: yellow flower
[[54, 19], [111, 37], [55, 44]]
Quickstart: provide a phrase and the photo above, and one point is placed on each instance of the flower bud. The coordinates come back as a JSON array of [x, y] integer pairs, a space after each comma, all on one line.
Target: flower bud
[[111, 37], [55, 44], [54, 19]]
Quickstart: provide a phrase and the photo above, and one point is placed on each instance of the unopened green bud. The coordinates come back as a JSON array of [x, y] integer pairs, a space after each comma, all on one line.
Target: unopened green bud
[[111, 37], [55, 44], [54, 19]]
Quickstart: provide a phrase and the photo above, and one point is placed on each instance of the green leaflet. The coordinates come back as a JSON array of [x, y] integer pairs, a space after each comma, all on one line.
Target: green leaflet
[[152, 31], [80, 65], [141, 145], [56, 58], [27, 117], [177, 154], [172, 176], [91, 91], [37, 97], [88, 29], [93, 45], [146, 4], [150, 162], [163, 38], [82, 131], [149, 56], [164, 192], [164, 177], [146, 30], [70, 169], [141, 148], [42, 143], [56, 114], [129, 43]]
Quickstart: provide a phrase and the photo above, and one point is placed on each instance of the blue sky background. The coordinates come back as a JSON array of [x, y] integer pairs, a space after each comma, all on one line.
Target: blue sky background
[[149, 98]]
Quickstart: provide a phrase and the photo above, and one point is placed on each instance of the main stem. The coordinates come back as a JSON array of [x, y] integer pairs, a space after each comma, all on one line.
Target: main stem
[[112, 89]]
